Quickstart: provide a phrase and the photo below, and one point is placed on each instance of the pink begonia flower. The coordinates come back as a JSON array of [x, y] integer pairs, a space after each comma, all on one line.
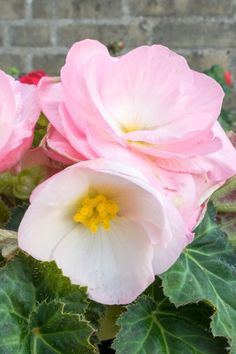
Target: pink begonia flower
[[145, 108], [105, 227], [19, 111]]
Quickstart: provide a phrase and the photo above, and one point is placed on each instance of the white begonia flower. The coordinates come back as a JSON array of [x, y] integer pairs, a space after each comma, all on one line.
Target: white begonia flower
[[105, 227]]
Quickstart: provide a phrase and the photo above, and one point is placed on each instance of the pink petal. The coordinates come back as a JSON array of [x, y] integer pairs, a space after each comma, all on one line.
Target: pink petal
[[223, 162], [19, 111], [50, 94], [73, 76], [7, 109], [63, 151], [145, 88], [10, 159], [75, 136], [166, 255]]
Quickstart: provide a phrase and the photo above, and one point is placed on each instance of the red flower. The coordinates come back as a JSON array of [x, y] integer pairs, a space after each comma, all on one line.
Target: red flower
[[33, 77], [228, 78]]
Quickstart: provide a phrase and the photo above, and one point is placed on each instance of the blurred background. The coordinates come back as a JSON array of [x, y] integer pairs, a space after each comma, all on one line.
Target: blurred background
[[36, 34]]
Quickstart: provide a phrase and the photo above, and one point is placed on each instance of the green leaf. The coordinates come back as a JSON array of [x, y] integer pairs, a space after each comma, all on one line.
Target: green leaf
[[226, 119], [8, 243], [27, 180], [94, 313], [4, 213], [156, 326], [17, 214], [50, 284], [227, 222], [7, 181], [30, 325], [21, 185], [13, 71], [207, 271], [48, 330], [224, 199], [53, 331], [40, 130]]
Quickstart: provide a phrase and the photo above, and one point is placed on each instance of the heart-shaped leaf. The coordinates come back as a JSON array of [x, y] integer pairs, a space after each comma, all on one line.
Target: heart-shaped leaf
[[207, 271]]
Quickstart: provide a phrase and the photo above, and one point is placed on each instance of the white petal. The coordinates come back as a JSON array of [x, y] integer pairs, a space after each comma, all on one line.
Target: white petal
[[50, 216], [129, 188], [62, 188], [141, 205], [42, 228], [115, 265]]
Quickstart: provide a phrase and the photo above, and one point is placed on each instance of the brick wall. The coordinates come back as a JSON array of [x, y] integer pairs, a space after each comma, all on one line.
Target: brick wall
[[38, 33]]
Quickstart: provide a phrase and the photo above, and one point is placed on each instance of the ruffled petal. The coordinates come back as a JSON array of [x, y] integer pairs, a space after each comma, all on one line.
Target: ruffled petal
[[50, 94], [223, 161], [10, 159], [73, 75], [146, 88], [59, 148], [75, 136], [167, 254], [19, 111], [27, 113], [7, 109]]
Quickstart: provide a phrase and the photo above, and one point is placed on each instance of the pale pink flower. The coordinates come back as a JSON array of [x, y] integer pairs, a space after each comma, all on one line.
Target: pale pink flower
[[105, 227], [146, 108], [19, 111]]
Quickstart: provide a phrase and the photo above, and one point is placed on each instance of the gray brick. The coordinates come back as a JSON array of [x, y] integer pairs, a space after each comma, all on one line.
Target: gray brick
[[202, 40], [203, 34], [88, 9], [12, 9], [12, 60], [232, 56], [132, 35], [181, 7], [43, 9], [201, 61], [29, 36], [51, 63], [1, 35]]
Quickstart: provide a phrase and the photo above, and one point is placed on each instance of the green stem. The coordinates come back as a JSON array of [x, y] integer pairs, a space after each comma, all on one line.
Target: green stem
[[108, 327]]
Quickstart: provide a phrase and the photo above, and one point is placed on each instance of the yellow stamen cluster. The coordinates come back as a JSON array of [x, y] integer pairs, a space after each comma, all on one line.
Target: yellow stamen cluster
[[95, 212]]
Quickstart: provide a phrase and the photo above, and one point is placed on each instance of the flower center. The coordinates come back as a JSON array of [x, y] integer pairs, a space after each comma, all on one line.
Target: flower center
[[95, 212], [131, 128]]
